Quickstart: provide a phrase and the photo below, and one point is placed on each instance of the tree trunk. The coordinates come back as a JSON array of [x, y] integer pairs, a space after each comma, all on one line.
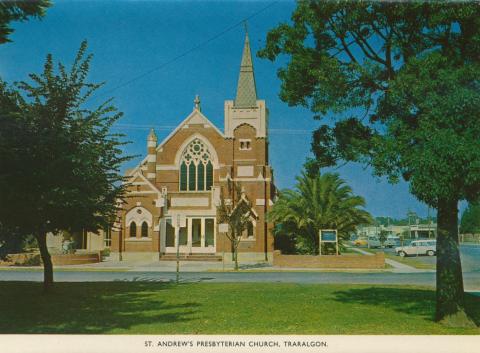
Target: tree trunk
[[47, 262], [235, 254], [450, 301]]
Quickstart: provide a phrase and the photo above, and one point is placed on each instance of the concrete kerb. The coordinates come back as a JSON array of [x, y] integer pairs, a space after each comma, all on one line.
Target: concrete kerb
[[193, 267], [204, 266]]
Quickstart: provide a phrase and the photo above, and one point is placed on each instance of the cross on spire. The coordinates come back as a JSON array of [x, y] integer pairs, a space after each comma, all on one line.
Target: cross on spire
[[196, 101]]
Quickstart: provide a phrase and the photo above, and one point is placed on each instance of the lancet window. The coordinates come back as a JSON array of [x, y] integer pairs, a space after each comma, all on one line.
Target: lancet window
[[196, 168]]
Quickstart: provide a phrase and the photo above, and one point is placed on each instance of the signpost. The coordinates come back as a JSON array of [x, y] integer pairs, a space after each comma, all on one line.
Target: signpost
[[327, 236], [223, 228], [181, 222]]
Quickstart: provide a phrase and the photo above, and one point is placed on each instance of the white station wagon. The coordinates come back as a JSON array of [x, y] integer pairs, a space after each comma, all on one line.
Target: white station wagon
[[418, 247]]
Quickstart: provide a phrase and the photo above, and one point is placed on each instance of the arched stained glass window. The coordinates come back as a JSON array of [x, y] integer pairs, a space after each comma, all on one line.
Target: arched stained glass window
[[201, 174], [183, 177], [196, 168], [209, 175], [144, 230], [192, 178], [133, 230]]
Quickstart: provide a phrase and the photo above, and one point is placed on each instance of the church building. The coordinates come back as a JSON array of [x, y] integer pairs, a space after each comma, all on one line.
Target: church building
[[173, 193]]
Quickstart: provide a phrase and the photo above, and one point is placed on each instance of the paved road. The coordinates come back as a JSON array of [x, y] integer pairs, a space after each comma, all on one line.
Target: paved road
[[470, 256], [472, 280]]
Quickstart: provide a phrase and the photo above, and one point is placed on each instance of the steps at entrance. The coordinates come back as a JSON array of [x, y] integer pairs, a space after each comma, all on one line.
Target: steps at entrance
[[191, 257]]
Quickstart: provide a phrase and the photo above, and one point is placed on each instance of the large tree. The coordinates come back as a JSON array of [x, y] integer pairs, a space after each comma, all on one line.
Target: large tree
[[318, 202], [60, 163], [11, 11], [400, 80]]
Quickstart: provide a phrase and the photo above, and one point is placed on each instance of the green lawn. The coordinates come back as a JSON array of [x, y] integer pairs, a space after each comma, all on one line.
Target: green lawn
[[411, 261], [215, 308]]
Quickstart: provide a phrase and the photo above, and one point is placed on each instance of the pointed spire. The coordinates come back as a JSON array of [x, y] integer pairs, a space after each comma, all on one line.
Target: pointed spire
[[152, 136], [246, 90]]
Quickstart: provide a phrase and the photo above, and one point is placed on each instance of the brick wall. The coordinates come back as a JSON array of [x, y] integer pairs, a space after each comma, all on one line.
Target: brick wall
[[329, 261], [76, 259], [66, 259]]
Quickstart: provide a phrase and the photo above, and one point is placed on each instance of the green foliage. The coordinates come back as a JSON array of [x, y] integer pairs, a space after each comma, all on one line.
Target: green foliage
[[385, 221], [322, 202], [470, 222], [60, 163], [31, 260], [105, 253], [383, 236], [402, 79], [10, 242], [312, 168], [11, 11], [13, 241]]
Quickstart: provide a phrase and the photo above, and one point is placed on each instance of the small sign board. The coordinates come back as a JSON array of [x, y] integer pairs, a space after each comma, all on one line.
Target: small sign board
[[182, 221], [223, 227], [328, 236]]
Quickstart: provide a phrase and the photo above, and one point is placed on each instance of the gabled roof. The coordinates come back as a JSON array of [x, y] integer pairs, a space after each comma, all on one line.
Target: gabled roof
[[195, 117], [138, 174]]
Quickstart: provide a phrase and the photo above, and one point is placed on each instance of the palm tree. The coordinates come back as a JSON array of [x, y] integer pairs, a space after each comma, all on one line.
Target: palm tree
[[318, 202]]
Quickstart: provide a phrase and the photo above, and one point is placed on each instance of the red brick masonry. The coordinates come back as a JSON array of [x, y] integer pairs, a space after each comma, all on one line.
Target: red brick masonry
[[76, 259], [67, 259], [329, 261]]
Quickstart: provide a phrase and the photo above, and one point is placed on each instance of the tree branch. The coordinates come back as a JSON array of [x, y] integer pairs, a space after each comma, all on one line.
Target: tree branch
[[342, 40], [366, 48]]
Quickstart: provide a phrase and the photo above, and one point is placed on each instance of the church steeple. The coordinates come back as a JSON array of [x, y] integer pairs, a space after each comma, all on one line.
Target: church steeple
[[246, 109], [246, 90]]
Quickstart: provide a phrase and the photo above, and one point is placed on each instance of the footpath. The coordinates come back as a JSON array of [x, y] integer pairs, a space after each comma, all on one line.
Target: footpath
[[112, 264], [397, 266]]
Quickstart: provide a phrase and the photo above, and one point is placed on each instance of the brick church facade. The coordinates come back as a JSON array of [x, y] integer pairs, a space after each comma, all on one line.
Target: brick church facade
[[174, 192]]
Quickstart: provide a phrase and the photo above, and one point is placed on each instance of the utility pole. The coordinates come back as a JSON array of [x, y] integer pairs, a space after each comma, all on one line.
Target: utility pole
[[177, 238]]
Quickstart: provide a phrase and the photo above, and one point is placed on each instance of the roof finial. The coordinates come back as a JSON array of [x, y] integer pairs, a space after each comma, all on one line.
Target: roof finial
[[151, 135], [245, 26], [197, 102]]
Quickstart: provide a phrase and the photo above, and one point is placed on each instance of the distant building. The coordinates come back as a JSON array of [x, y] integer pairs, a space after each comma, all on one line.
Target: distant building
[[412, 231]]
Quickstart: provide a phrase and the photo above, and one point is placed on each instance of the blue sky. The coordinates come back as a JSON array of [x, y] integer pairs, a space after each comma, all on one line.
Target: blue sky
[[156, 55]]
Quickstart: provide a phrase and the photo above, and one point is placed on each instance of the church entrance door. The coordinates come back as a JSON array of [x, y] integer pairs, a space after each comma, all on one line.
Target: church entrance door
[[198, 237]]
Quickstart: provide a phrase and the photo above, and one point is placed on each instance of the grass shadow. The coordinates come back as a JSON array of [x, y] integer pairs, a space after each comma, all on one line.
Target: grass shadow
[[90, 307], [412, 301]]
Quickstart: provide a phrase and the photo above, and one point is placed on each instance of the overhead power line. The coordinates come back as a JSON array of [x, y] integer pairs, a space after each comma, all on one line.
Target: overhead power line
[[185, 53], [172, 127]]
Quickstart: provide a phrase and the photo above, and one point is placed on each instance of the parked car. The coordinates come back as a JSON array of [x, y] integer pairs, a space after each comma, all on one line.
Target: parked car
[[392, 241], [418, 247], [374, 242], [361, 241]]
